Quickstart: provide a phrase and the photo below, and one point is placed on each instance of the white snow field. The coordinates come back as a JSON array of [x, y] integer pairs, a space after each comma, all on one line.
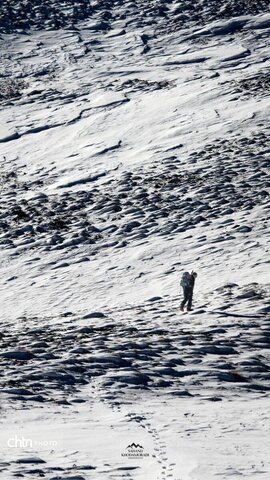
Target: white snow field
[[134, 145]]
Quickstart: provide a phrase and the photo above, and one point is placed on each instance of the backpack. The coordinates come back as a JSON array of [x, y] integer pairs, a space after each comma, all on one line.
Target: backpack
[[185, 280]]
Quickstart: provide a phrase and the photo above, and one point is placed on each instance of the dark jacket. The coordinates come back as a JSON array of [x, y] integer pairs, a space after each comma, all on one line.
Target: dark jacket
[[192, 281]]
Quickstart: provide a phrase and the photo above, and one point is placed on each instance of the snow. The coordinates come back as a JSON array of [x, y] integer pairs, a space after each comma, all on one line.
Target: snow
[[130, 155], [184, 439]]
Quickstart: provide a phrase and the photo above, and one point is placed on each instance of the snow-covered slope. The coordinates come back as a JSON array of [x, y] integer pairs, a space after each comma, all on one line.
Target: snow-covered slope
[[134, 145]]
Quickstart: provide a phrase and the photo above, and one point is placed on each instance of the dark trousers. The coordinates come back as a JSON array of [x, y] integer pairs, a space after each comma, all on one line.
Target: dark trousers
[[188, 294]]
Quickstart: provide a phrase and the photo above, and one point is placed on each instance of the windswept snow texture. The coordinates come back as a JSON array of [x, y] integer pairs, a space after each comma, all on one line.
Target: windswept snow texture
[[134, 145]]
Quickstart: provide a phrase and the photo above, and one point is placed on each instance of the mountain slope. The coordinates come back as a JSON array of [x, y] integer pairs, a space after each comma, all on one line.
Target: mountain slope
[[134, 145]]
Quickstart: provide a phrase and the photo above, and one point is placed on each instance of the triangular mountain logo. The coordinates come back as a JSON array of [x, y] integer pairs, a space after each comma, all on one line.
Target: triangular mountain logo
[[135, 445]]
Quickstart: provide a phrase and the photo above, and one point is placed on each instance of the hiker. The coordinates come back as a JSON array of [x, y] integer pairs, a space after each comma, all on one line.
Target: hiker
[[187, 282]]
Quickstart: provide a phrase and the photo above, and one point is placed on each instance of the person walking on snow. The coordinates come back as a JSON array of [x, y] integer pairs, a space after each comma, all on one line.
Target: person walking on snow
[[188, 282]]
